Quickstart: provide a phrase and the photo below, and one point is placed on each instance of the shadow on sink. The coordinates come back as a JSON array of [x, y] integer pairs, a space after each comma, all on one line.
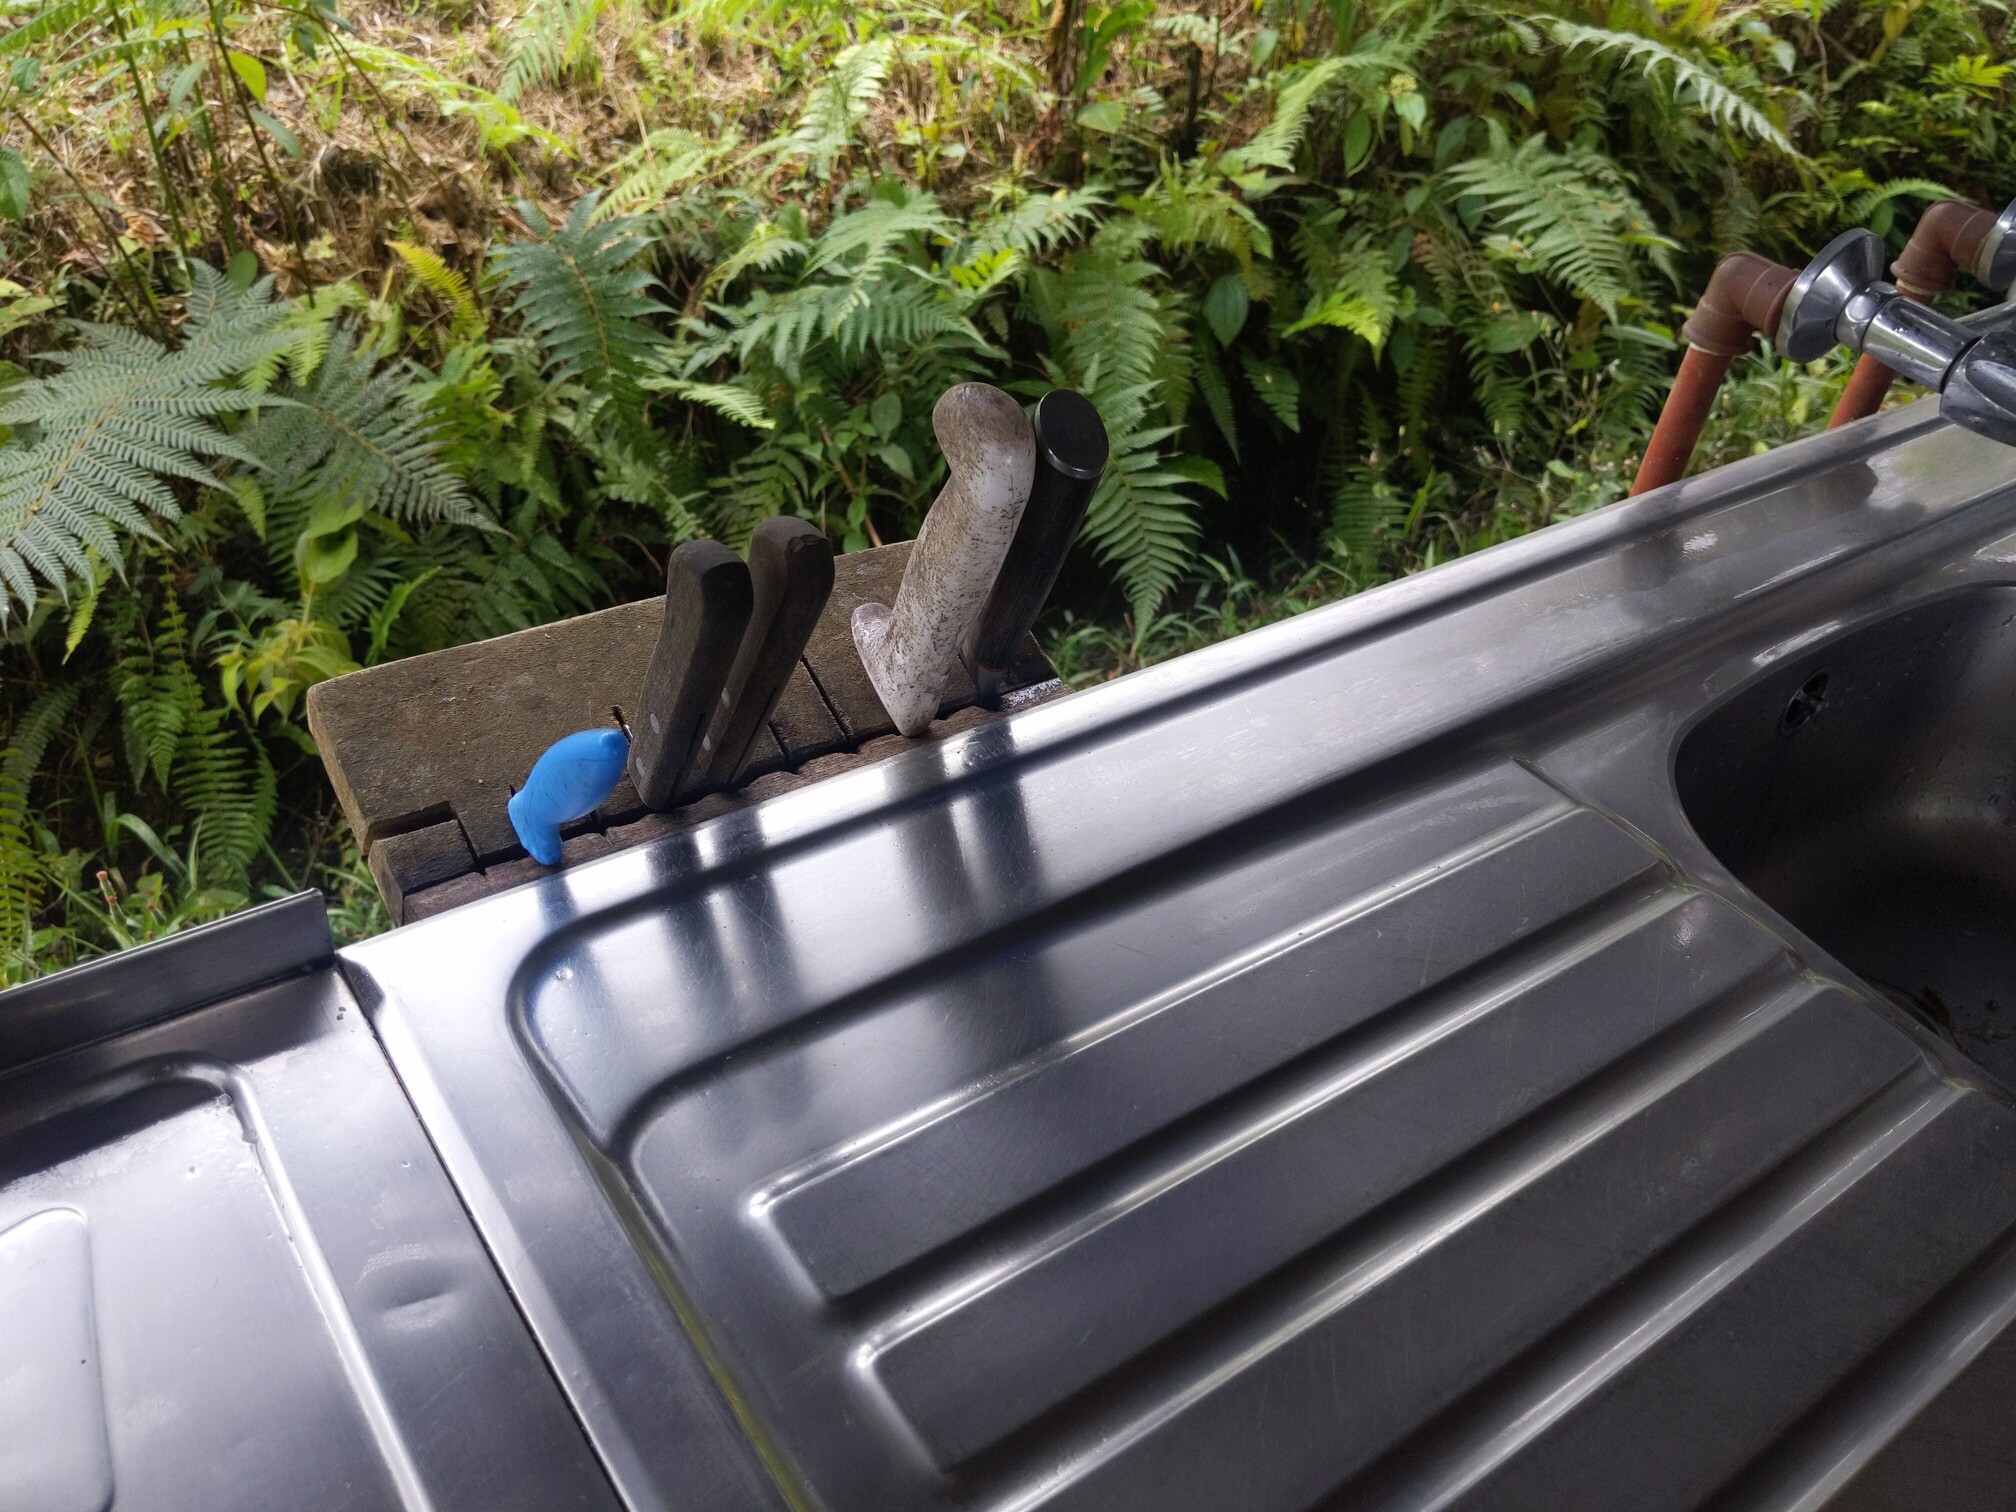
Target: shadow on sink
[[1867, 792]]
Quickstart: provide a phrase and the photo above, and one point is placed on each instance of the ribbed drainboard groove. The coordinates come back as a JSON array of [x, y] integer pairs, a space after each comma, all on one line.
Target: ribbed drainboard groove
[[1325, 1366], [1761, 1314], [888, 1197], [1866, 1438], [1203, 1224]]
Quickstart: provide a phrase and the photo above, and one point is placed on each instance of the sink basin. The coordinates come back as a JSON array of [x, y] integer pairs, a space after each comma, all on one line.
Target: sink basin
[[1864, 791]]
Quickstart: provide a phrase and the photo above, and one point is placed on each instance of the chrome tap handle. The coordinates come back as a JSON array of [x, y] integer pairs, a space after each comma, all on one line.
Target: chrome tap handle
[[1842, 299], [1995, 263], [1981, 394]]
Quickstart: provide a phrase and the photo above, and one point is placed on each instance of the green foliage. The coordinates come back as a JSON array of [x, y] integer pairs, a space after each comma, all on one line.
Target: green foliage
[[1565, 215], [1356, 289], [578, 290], [1696, 84], [93, 442]]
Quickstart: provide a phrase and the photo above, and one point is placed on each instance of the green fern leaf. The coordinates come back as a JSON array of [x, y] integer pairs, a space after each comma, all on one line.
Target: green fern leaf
[[580, 293], [1565, 214], [666, 160], [22, 875], [553, 41], [1691, 79], [838, 105], [1141, 524], [1866, 204], [446, 285], [93, 442], [351, 440], [743, 406]]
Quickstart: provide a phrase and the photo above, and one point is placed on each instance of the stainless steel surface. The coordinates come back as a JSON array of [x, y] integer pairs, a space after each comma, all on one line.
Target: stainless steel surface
[[1327, 1069], [1841, 299], [1809, 326], [124, 991], [1995, 264], [232, 1274], [1912, 340], [1863, 790]]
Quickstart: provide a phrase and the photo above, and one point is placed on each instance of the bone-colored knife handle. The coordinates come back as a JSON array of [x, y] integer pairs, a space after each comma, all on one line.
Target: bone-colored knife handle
[[911, 651]]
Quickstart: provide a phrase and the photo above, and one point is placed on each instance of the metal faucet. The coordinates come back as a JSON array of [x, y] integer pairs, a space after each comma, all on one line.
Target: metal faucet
[[1842, 299]]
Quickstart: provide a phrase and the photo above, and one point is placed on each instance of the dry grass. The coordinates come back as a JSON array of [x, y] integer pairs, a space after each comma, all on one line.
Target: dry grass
[[403, 133]]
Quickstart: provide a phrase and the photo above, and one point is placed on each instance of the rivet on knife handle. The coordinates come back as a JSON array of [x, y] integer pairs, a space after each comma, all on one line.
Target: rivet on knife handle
[[791, 571], [1070, 460], [707, 603], [911, 650]]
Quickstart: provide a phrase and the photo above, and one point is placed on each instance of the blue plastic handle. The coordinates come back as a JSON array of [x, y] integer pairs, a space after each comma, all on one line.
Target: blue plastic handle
[[572, 778]]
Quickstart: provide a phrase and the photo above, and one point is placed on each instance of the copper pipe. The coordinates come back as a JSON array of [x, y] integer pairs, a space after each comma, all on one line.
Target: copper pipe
[[1680, 419], [1744, 296], [1947, 238], [1867, 387]]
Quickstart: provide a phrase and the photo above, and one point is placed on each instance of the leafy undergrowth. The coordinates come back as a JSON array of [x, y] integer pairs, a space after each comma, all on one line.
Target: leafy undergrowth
[[331, 334]]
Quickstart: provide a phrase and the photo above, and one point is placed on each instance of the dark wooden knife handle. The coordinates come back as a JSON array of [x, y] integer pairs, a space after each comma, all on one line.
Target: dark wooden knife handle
[[791, 571], [1070, 459], [707, 604]]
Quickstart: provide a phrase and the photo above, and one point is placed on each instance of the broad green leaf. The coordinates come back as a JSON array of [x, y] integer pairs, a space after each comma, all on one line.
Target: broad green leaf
[[289, 143], [325, 558], [1357, 141], [1226, 308], [897, 460], [1104, 116], [251, 73], [13, 185]]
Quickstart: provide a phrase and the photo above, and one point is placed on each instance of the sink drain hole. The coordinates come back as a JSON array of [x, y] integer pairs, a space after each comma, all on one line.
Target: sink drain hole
[[1804, 704]]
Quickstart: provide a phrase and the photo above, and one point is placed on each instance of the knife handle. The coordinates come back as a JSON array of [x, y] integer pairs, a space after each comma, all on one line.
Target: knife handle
[[707, 604], [1070, 460], [791, 573], [911, 650]]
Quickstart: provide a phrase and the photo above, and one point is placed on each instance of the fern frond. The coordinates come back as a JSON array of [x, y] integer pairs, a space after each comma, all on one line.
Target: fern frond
[[159, 695], [1563, 213], [351, 439], [1192, 209], [1691, 79], [667, 159], [842, 100], [1141, 524], [94, 440], [554, 40], [767, 246], [227, 785], [1107, 326], [1869, 201], [743, 406], [1275, 144], [21, 871], [1035, 225], [445, 284], [896, 316], [580, 293], [1277, 389], [867, 237]]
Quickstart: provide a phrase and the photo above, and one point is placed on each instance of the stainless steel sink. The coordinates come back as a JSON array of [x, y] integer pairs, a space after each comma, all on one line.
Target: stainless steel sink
[[1510, 1040], [1866, 790]]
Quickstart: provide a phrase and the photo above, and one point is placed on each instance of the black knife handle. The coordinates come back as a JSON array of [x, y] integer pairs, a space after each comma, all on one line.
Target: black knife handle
[[1070, 459], [791, 572], [707, 604]]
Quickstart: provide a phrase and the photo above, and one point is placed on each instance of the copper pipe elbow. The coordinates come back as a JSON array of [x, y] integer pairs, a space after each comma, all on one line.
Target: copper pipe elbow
[[1948, 237], [1744, 297]]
